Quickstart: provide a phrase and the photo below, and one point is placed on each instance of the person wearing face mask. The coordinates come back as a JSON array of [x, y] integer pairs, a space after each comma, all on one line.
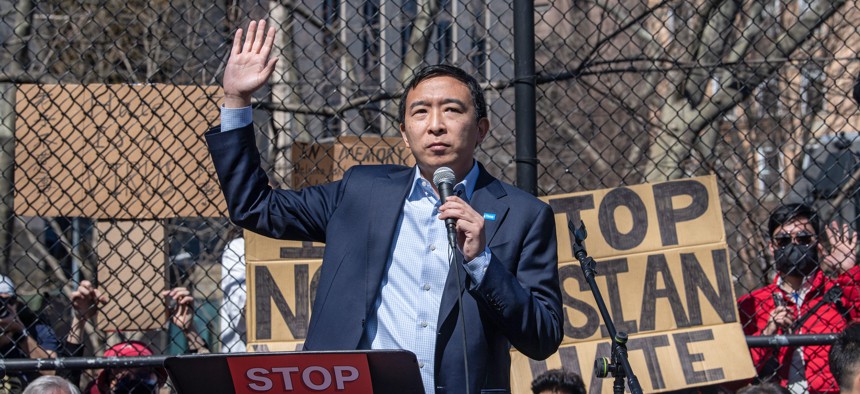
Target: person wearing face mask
[[141, 380], [801, 300]]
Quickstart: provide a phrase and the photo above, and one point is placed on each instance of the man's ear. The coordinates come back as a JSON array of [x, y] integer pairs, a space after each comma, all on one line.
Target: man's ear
[[483, 130], [403, 135]]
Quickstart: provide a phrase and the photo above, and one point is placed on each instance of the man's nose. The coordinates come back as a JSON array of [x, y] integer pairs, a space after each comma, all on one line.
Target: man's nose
[[437, 122]]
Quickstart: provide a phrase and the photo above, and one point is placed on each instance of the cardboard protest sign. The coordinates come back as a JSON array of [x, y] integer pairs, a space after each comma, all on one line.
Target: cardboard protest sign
[[131, 273], [650, 292], [280, 296], [260, 248], [662, 269], [115, 151], [284, 346], [327, 160], [661, 361], [642, 218]]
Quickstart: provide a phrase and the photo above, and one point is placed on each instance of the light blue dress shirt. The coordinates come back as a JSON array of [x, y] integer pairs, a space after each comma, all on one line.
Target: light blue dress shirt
[[407, 306]]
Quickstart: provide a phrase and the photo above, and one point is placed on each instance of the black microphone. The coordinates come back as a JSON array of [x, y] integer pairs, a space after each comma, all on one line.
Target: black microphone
[[444, 180]]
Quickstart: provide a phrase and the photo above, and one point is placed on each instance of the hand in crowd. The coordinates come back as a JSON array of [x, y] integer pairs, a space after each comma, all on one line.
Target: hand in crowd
[[249, 66], [843, 249], [87, 300], [10, 326], [780, 317], [180, 307]]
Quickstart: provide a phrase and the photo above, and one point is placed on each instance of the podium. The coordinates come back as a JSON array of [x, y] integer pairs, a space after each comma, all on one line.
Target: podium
[[369, 371]]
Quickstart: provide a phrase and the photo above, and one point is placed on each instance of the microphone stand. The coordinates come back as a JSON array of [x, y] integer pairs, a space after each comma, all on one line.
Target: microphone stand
[[619, 366]]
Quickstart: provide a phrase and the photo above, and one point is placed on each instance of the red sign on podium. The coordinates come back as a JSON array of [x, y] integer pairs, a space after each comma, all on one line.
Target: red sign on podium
[[351, 371], [310, 373]]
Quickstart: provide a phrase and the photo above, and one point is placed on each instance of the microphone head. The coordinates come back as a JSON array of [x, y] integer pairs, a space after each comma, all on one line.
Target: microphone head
[[443, 175]]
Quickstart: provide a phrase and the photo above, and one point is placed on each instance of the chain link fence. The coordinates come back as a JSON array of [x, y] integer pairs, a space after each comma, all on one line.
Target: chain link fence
[[104, 174]]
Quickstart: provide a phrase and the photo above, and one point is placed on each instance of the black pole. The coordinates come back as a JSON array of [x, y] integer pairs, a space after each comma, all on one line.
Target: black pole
[[48, 364], [791, 340], [524, 95]]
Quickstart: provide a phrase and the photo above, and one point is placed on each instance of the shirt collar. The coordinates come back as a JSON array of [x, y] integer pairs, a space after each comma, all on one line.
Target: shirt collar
[[805, 287], [465, 187]]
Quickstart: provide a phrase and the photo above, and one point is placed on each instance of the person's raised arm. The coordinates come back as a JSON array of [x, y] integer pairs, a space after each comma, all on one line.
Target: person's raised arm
[[249, 66], [182, 315], [86, 300]]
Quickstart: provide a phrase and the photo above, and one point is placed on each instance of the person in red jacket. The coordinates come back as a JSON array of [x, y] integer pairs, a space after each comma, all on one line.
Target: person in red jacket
[[801, 300]]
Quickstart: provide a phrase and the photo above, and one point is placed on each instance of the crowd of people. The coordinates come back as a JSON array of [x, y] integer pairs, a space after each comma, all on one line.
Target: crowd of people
[[23, 335]]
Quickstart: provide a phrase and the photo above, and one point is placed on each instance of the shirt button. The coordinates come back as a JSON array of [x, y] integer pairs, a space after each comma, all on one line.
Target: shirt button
[[420, 365], [426, 287], [432, 247], [424, 324]]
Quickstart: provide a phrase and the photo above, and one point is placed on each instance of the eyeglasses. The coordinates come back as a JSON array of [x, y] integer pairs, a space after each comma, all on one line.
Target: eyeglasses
[[801, 238]]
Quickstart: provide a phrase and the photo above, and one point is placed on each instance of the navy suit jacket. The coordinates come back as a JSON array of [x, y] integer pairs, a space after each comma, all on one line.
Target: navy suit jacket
[[517, 303]]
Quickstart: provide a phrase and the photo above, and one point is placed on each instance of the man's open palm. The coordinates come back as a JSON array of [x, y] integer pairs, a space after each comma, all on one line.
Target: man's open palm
[[249, 66]]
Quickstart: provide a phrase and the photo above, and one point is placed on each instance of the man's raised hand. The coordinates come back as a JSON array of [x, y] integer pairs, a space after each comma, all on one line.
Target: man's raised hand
[[249, 66]]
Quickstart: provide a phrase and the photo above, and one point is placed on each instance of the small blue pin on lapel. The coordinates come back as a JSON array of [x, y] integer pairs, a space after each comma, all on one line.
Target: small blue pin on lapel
[[489, 216]]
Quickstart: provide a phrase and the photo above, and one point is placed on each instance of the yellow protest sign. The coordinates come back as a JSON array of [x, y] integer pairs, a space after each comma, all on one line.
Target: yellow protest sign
[[280, 296], [663, 272]]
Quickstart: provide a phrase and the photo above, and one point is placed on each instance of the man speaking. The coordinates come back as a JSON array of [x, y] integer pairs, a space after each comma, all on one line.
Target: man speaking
[[386, 281]]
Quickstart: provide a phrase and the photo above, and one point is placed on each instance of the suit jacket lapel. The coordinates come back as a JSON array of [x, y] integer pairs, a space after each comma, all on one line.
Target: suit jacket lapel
[[388, 193], [486, 200]]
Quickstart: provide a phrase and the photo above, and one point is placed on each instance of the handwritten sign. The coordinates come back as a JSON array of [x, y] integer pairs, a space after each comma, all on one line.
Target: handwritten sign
[[115, 151], [326, 161], [661, 361], [664, 274]]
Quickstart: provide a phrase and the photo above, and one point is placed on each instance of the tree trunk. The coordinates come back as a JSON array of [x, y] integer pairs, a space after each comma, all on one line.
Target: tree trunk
[[17, 57]]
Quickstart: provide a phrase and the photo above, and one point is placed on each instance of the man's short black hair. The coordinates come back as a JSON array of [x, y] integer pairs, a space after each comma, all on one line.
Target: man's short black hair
[[764, 388], [791, 212], [558, 381], [444, 70], [845, 357]]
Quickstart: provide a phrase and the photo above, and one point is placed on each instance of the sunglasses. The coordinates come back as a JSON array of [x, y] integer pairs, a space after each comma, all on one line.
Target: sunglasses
[[801, 238]]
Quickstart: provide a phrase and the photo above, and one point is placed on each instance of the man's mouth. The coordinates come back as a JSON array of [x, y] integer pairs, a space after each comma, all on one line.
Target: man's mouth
[[437, 147]]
